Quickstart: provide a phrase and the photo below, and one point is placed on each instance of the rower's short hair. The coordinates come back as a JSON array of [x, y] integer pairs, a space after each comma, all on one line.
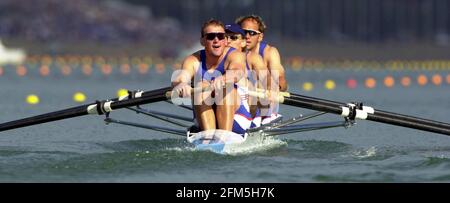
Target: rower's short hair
[[261, 25], [211, 21]]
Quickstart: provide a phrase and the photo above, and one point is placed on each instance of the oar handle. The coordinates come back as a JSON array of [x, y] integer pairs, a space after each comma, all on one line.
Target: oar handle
[[170, 94]]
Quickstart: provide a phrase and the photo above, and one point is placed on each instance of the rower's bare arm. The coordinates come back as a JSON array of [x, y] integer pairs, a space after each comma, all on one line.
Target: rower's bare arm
[[236, 67], [185, 75], [258, 66], [181, 79], [276, 69]]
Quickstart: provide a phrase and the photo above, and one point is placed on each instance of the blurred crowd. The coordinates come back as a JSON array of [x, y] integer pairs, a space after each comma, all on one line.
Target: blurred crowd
[[74, 20]]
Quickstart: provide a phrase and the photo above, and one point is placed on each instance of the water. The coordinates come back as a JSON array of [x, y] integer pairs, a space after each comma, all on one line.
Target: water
[[85, 150]]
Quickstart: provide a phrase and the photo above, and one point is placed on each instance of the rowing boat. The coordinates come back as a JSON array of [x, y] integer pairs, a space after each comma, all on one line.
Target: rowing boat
[[220, 141]]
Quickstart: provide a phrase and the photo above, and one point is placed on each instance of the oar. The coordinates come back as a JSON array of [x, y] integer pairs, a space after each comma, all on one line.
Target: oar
[[353, 111], [98, 107], [379, 112]]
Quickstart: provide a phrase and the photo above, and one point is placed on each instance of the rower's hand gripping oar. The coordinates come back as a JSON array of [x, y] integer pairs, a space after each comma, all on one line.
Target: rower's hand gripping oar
[[357, 111]]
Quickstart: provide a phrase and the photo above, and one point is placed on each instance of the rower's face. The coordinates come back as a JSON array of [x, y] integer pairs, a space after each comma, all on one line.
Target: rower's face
[[213, 40], [252, 34], [236, 41]]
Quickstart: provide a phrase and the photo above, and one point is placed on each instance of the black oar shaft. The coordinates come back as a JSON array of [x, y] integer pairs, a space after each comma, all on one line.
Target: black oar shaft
[[409, 123], [379, 112], [377, 115], [145, 97], [44, 118], [313, 105]]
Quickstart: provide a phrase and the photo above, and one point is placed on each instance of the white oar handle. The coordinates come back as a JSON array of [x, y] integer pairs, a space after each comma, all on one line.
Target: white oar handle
[[170, 94], [284, 94], [266, 95]]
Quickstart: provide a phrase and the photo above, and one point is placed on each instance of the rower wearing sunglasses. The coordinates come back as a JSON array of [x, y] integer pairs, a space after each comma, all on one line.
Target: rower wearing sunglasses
[[216, 67], [256, 71], [254, 28]]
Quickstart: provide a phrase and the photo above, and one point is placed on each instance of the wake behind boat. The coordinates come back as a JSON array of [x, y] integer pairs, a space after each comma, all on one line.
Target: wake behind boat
[[224, 142]]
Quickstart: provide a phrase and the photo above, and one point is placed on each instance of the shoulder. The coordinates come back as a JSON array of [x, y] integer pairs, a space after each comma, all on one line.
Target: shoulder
[[271, 50], [254, 57], [236, 55], [191, 60], [194, 57], [255, 61]]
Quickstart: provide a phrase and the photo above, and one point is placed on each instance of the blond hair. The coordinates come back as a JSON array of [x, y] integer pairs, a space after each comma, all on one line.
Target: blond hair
[[211, 21], [261, 25]]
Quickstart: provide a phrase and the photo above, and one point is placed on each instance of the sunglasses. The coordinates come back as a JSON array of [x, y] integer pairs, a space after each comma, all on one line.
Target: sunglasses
[[233, 37], [213, 35], [251, 32]]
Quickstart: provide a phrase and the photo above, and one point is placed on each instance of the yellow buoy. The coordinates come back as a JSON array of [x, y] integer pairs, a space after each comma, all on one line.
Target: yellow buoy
[[32, 99], [330, 84], [79, 97], [122, 92], [307, 86]]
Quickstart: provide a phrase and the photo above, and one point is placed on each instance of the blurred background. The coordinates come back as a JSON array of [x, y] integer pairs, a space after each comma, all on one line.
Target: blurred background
[[322, 29], [125, 37], [389, 54]]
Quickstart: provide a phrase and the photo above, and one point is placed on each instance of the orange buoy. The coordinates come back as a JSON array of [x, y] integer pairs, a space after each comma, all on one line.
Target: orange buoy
[[125, 68], [371, 82], [436, 79], [143, 68], [66, 70], [44, 70], [160, 68], [21, 70], [389, 81], [106, 69], [405, 81], [86, 69], [422, 80]]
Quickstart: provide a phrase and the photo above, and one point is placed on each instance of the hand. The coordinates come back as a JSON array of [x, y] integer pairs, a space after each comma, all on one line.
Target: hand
[[183, 90], [273, 96], [218, 83]]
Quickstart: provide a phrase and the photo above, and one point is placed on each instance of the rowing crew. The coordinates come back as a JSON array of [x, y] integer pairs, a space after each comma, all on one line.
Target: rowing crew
[[234, 60]]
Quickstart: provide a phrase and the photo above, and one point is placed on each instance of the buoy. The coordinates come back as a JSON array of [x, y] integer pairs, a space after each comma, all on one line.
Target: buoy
[[389, 81], [422, 80], [352, 83], [32, 99], [122, 92], [436, 79], [371, 82], [79, 97], [330, 84], [307, 86], [405, 81]]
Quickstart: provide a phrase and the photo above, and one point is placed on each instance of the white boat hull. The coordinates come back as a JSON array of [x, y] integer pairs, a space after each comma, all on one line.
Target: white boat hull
[[215, 140]]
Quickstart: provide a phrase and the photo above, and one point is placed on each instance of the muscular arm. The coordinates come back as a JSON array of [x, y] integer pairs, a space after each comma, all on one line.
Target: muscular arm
[[276, 69], [258, 67], [235, 68], [185, 75]]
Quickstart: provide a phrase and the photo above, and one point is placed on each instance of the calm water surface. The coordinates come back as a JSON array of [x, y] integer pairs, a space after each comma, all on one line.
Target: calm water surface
[[84, 149]]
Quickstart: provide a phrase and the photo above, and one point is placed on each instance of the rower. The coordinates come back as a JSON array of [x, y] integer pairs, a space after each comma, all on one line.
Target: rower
[[254, 28], [256, 71], [215, 66]]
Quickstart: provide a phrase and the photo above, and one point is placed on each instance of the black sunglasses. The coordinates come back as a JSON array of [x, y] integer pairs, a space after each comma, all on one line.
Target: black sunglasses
[[233, 37], [213, 35], [251, 32]]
